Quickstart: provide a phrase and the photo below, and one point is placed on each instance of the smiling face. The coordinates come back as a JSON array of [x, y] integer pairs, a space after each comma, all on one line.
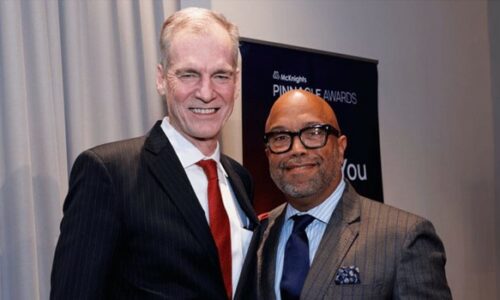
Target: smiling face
[[306, 176], [199, 84]]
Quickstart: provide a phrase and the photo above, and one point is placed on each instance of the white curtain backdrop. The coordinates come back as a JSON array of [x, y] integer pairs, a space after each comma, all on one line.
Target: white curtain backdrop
[[73, 74]]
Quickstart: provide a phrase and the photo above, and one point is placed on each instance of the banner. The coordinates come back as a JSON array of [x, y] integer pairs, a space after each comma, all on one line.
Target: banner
[[348, 84]]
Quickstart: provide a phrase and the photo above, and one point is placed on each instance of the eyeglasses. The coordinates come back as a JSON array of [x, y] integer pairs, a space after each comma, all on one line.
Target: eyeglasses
[[312, 137]]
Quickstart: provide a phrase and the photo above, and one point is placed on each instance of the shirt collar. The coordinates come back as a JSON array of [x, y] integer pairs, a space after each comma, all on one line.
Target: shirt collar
[[188, 154], [324, 211]]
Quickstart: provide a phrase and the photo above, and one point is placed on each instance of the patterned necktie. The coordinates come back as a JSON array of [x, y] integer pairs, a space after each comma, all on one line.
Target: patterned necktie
[[296, 261], [219, 222]]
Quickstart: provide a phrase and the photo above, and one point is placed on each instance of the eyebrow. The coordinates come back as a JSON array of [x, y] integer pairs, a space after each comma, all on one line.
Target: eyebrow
[[185, 70], [224, 71], [283, 128], [194, 70], [278, 128]]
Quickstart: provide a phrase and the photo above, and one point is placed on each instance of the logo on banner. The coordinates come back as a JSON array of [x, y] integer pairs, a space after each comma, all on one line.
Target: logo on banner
[[289, 77]]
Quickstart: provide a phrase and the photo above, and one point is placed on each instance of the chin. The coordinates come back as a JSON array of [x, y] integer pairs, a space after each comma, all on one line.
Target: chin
[[203, 129], [300, 179], [205, 135]]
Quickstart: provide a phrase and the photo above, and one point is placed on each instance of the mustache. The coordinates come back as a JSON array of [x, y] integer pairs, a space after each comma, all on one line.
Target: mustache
[[300, 161]]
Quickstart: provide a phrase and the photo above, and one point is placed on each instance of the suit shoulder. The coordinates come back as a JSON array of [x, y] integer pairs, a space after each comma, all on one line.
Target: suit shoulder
[[275, 213], [370, 206], [271, 216], [111, 150], [396, 225], [234, 164], [114, 156], [387, 215], [238, 168]]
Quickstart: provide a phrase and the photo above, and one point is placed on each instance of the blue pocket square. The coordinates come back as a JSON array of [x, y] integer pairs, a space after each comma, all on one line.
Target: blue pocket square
[[347, 275]]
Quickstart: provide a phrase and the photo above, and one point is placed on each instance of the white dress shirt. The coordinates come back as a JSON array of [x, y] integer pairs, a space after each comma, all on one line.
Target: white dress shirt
[[189, 155]]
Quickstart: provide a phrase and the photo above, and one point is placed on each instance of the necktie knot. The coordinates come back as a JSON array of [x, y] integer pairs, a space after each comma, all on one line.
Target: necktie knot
[[209, 166], [301, 222]]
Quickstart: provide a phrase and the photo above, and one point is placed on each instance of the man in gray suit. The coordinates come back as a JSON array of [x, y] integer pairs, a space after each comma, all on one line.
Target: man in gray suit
[[166, 215], [327, 241]]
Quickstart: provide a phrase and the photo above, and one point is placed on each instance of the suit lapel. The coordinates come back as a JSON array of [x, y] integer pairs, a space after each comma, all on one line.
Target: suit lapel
[[240, 192], [339, 236], [166, 167], [246, 277], [266, 263]]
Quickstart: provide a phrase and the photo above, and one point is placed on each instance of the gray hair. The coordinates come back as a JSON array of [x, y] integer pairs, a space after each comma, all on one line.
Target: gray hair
[[196, 20]]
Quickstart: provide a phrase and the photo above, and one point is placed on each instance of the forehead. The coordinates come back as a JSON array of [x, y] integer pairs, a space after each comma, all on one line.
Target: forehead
[[212, 46], [294, 115]]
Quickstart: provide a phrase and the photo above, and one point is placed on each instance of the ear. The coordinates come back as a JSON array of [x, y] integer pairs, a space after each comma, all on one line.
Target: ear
[[161, 81], [267, 152], [341, 146], [237, 84]]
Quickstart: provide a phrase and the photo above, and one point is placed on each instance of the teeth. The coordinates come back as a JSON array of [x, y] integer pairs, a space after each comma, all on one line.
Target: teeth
[[203, 111]]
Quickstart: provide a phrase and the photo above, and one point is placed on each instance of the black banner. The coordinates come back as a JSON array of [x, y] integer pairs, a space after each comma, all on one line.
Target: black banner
[[350, 86]]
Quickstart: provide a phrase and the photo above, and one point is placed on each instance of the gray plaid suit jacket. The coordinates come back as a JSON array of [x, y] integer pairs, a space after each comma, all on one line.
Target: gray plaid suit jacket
[[398, 254]]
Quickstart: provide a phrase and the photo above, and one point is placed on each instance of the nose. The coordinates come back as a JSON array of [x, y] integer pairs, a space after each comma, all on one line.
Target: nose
[[205, 91], [297, 146]]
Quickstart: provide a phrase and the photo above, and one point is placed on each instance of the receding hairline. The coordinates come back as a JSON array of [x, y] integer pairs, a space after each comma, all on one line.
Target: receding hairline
[[198, 21], [302, 95]]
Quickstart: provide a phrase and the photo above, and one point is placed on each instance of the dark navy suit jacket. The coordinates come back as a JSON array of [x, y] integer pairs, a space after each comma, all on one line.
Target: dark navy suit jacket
[[134, 229]]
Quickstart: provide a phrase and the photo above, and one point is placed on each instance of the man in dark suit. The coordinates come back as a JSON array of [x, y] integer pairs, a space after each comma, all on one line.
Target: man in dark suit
[[328, 242], [165, 216]]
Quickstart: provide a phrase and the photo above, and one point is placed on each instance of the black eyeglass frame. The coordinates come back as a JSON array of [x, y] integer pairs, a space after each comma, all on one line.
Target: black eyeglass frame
[[329, 129]]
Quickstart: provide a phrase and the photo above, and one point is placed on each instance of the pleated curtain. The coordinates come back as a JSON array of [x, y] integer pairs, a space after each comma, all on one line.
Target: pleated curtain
[[73, 74]]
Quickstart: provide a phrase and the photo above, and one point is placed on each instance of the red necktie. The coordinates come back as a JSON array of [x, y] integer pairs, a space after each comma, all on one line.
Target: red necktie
[[219, 222]]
